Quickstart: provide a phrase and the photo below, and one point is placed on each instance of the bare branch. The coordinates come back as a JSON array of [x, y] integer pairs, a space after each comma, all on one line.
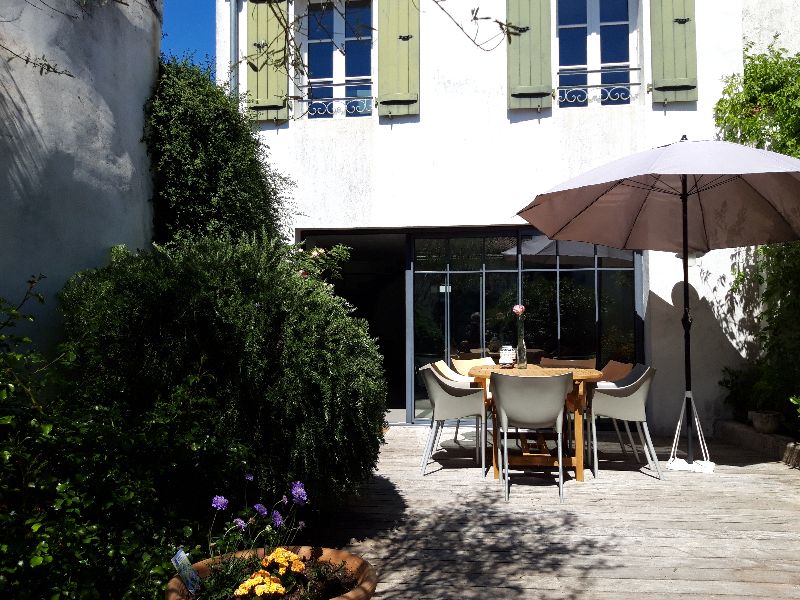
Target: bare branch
[[44, 66]]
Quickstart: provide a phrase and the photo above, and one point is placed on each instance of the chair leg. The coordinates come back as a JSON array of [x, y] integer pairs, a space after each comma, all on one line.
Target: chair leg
[[505, 464], [652, 449], [619, 437], [455, 435], [477, 438], [633, 446], [438, 441], [482, 444], [560, 469], [427, 443], [429, 447], [594, 445], [644, 447]]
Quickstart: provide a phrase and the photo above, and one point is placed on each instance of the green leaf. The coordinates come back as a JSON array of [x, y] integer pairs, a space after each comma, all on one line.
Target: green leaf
[[36, 561]]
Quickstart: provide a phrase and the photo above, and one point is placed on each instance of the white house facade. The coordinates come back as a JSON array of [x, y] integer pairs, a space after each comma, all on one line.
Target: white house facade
[[415, 131]]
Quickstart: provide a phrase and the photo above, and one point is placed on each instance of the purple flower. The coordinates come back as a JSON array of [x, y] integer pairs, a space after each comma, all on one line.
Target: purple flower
[[240, 524], [261, 509], [219, 502], [277, 519], [299, 493], [285, 500], [249, 477]]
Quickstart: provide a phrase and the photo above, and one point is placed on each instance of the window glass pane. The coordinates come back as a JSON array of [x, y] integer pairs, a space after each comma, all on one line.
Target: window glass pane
[[357, 58], [500, 298], [615, 94], [324, 108], [575, 254], [358, 19], [614, 257], [571, 12], [614, 44], [361, 107], [616, 326], [613, 10], [466, 254], [320, 60], [569, 93], [501, 253], [572, 46], [578, 331], [541, 312], [465, 316], [320, 22], [429, 342], [538, 252], [430, 254]]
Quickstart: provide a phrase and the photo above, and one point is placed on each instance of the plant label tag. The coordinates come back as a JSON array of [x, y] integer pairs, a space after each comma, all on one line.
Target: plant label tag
[[189, 576]]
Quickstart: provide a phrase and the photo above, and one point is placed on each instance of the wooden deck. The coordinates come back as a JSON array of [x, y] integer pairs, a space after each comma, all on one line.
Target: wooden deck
[[450, 535]]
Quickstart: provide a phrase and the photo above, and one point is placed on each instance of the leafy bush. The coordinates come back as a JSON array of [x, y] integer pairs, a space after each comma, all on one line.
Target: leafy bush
[[210, 173], [759, 108], [222, 356]]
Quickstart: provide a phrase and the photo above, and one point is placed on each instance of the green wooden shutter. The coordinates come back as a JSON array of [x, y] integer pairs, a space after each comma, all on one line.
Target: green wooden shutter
[[398, 57], [674, 50], [530, 80], [267, 73]]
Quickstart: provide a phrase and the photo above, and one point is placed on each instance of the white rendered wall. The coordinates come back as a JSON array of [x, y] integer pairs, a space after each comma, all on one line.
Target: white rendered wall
[[74, 175], [467, 160]]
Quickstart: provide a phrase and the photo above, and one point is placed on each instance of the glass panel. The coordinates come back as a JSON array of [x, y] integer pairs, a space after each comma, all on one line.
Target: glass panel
[[614, 257], [501, 296], [324, 108], [501, 253], [466, 254], [320, 60], [615, 94], [571, 12], [575, 255], [359, 108], [613, 10], [465, 316], [429, 342], [572, 46], [616, 327], [578, 328], [538, 252], [320, 22], [572, 96], [430, 254], [357, 58], [541, 312], [358, 19], [614, 44]]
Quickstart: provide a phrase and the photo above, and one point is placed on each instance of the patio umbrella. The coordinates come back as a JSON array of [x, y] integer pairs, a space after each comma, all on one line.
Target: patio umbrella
[[686, 197]]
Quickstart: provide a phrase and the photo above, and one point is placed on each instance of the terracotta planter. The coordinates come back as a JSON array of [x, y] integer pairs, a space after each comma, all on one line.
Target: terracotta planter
[[363, 571], [767, 421]]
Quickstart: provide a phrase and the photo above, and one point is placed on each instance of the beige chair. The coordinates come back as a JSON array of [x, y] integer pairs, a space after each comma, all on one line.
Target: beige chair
[[464, 365]]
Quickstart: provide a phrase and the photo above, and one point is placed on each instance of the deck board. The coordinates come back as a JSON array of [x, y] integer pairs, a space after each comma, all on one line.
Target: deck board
[[731, 534]]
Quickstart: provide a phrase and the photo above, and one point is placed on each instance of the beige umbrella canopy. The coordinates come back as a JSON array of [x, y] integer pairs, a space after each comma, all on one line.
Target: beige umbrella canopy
[[685, 197]]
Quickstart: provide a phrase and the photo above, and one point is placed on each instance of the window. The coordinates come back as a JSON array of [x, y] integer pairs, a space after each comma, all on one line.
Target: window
[[339, 59], [596, 43]]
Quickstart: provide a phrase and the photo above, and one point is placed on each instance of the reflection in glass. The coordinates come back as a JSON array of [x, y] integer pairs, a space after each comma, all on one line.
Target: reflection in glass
[[613, 257], [465, 315], [466, 254], [501, 253], [429, 324], [616, 326], [578, 327], [430, 254], [575, 255], [538, 252], [501, 296], [541, 311]]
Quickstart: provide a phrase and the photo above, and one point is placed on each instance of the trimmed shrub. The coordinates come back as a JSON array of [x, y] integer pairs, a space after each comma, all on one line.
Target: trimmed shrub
[[210, 173]]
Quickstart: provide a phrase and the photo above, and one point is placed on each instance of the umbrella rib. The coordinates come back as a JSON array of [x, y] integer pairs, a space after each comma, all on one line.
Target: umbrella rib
[[714, 183], [641, 208], [702, 212], [771, 205], [585, 208]]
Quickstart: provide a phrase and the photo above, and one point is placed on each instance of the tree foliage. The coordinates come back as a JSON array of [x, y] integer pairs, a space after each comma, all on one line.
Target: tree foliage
[[761, 108]]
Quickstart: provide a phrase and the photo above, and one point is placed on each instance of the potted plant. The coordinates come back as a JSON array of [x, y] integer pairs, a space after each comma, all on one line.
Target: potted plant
[[254, 558]]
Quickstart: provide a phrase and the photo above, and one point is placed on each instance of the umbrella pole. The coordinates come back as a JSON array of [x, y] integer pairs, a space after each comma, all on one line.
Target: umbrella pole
[[687, 320]]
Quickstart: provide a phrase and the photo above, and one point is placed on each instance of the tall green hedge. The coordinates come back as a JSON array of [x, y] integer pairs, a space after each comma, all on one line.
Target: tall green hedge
[[210, 172]]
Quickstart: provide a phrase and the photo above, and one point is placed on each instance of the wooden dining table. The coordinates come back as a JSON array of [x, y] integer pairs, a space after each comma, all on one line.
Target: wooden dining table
[[575, 403]]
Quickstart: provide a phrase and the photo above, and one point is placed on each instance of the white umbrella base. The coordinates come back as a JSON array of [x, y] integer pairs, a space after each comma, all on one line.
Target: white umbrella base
[[678, 464], [698, 466]]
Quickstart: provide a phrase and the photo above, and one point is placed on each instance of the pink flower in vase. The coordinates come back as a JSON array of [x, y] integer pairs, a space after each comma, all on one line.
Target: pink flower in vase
[[518, 310]]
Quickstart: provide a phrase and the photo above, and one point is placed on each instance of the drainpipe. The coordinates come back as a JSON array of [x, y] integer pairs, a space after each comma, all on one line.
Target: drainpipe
[[234, 58]]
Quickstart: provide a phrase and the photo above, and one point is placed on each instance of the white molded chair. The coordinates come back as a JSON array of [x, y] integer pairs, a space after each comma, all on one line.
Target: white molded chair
[[612, 373], [453, 400], [530, 403], [625, 400], [448, 373]]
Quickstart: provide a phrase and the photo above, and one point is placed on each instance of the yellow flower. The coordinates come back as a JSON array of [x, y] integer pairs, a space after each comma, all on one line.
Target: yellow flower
[[298, 566]]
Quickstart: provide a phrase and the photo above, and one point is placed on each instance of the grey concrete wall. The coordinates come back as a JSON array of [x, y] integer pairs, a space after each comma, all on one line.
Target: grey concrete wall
[[74, 173]]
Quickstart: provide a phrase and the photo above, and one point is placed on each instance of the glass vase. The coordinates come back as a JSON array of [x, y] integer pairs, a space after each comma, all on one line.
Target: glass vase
[[522, 351]]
